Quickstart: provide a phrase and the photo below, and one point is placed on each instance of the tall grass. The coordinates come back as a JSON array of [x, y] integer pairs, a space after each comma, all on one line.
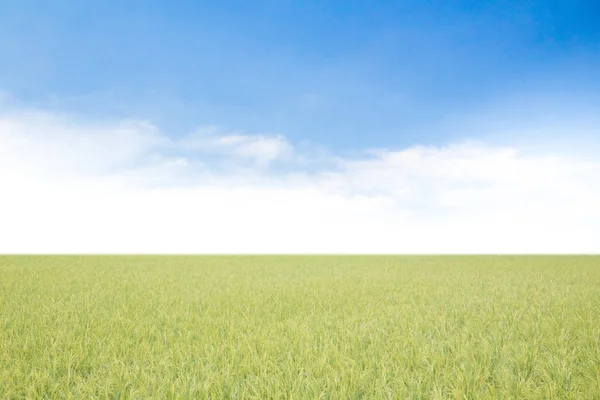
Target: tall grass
[[299, 327]]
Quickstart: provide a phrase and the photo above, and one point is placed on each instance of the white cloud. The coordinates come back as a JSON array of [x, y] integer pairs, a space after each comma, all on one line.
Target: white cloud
[[260, 150], [69, 186], [54, 144]]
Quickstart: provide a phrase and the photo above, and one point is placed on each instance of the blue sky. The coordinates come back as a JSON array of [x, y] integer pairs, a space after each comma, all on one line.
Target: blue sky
[[299, 126], [345, 74]]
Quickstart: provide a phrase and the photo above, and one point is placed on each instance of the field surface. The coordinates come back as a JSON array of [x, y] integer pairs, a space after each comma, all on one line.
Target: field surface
[[299, 327]]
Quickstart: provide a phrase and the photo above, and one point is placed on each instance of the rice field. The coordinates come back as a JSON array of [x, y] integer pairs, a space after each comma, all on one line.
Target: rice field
[[299, 327]]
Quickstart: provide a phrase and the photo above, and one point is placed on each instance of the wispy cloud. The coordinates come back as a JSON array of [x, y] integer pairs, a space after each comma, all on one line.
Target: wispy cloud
[[260, 150], [72, 185]]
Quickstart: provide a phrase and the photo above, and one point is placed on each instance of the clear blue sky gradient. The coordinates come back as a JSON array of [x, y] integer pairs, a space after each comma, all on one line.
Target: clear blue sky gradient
[[345, 74]]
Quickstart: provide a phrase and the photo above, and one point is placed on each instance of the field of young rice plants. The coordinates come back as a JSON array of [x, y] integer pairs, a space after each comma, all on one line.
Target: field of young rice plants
[[299, 327]]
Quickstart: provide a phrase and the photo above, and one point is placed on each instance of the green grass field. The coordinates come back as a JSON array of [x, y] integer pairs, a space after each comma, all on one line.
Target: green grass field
[[300, 327]]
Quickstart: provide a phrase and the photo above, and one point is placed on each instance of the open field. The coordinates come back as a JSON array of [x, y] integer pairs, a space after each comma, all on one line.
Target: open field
[[299, 327]]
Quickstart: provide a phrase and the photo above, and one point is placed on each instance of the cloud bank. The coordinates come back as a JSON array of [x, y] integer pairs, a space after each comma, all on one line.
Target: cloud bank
[[69, 185]]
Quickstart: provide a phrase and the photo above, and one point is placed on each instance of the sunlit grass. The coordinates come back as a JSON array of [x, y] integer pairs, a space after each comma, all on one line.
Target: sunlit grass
[[300, 327]]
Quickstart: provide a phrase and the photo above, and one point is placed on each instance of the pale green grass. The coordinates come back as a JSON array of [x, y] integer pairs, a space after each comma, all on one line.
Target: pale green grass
[[300, 327]]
